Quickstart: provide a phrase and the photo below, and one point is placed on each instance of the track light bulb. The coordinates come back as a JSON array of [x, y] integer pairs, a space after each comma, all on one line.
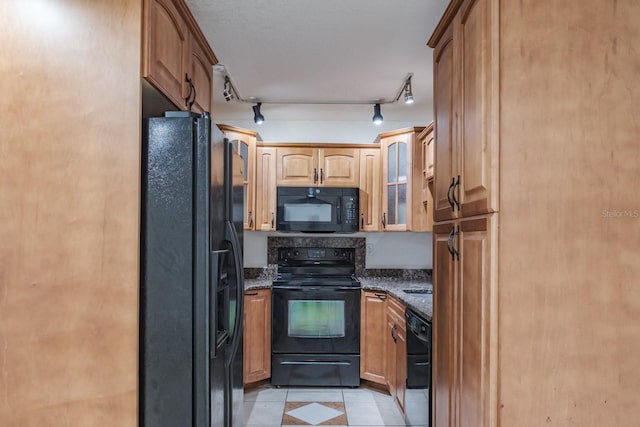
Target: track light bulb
[[377, 116], [408, 95], [258, 118]]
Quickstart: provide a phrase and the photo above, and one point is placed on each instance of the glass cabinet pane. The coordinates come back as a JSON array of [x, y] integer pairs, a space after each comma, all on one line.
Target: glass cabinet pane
[[391, 163], [244, 152], [402, 162], [402, 203], [391, 203]]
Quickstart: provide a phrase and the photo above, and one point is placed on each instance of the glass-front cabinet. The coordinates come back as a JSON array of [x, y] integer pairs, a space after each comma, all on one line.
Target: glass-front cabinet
[[402, 209], [245, 142]]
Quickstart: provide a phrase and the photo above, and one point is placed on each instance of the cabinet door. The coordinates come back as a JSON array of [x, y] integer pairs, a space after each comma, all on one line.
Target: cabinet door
[[444, 328], [478, 127], [369, 189], [445, 165], [474, 307], [246, 146], [297, 166], [372, 336], [201, 74], [257, 335], [339, 167], [265, 189], [166, 49], [396, 191], [401, 365]]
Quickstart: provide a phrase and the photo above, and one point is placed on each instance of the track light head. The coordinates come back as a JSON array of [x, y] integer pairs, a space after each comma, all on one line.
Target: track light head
[[258, 118], [408, 94], [227, 92], [377, 116]]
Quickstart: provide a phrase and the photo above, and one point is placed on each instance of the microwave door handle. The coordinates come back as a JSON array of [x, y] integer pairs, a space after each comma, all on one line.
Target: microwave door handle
[[339, 210]]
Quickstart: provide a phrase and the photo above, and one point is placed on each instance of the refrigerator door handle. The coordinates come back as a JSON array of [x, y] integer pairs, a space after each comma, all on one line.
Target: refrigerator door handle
[[217, 337], [232, 236]]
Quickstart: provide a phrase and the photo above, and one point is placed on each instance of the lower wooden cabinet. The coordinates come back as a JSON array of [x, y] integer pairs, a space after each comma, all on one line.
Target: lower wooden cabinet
[[396, 351], [257, 335], [373, 327]]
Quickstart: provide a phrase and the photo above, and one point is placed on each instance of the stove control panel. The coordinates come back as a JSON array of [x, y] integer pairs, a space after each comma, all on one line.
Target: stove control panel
[[328, 255]]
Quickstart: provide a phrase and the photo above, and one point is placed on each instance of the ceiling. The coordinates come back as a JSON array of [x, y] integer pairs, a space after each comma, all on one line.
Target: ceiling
[[309, 51]]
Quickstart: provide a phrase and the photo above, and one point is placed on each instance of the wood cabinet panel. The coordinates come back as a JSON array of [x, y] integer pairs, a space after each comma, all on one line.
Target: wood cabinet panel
[[444, 328], [372, 336], [257, 335], [266, 190], [445, 165], [201, 74], [174, 52], [396, 349], [297, 166], [401, 202], [245, 142], [167, 50], [370, 189], [339, 167]]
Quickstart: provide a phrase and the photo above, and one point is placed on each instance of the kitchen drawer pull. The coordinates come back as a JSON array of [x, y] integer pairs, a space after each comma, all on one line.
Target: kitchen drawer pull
[[381, 296], [393, 330], [250, 219], [273, 220], [453, 193], [250, 294], [449, 194], [384, 220], [449, 243], [361, 220]]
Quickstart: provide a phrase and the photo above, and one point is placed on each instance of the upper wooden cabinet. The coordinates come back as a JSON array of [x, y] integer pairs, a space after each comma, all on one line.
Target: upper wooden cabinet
[[401, 153], [176, 57], [426, 139], [245, 142], [308, 166], [370, 181], [466, 85], [265, 189]]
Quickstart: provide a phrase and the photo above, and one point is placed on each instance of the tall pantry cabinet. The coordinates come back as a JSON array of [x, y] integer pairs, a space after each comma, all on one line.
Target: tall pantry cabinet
[[536, 232]]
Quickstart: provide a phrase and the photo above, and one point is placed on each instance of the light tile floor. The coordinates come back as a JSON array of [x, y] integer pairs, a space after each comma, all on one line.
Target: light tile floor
[[266, 406]]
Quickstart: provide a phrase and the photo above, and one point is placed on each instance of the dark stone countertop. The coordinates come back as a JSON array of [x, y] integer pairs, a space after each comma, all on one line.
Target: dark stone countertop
[[422, 304]]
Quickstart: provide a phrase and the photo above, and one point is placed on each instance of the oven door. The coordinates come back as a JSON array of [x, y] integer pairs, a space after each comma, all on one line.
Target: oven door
[[310, 319]]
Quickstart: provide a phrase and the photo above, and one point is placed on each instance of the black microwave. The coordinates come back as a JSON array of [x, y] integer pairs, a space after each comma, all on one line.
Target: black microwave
[[317, 209]]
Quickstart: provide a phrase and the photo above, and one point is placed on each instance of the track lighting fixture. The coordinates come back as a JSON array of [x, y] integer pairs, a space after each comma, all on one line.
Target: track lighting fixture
[[377, 116], [227, 92], [408, 94], [257, 116]]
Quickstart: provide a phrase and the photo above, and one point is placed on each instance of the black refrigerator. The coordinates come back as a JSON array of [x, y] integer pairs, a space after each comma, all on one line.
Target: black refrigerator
[[191, 274]]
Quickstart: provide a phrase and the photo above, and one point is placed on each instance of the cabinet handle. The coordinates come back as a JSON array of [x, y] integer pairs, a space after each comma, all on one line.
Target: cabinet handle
[[381, 296], [449, 194], [455, 253], [449, 243], [192, 92], [250, 219], [188, 81], [393, 330], [384, 220], [361, 220], [315, 175], [321, 176], [453, 193], [250, 294], [273, 220]]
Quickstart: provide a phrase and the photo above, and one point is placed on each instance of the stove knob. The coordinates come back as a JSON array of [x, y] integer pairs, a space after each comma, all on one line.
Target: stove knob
[[296, 253], [336, 252]]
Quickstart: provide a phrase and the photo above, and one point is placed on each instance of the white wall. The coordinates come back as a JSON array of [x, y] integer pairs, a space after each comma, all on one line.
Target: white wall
[[384, 250]]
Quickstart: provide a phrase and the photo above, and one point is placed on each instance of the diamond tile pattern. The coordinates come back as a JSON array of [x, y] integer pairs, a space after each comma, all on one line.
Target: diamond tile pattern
[[330, 406], [314, 413]]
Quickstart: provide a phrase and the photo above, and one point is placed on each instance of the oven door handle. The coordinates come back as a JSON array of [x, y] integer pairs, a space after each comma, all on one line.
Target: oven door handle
[[316, 288]]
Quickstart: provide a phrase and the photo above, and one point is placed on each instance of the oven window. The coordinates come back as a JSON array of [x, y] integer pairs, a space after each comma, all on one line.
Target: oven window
[[307, 212], [316, 319]]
